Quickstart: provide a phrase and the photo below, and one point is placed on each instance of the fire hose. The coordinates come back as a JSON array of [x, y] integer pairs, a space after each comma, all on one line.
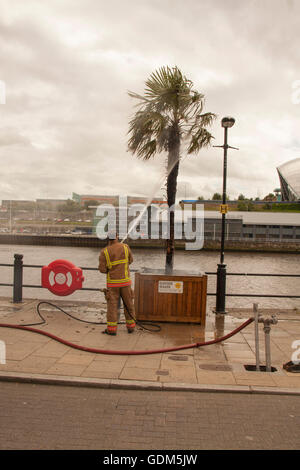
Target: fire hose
[[123, 353]]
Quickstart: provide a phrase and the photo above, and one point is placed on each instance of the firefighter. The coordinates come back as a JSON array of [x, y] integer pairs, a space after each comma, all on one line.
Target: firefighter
[[114, 260]]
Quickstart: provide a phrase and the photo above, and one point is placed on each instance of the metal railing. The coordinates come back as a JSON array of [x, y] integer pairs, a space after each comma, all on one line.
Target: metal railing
[[254, 239], [18, 285]]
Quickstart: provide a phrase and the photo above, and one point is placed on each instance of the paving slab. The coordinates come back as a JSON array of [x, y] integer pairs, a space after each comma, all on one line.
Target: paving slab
[[212, 367]]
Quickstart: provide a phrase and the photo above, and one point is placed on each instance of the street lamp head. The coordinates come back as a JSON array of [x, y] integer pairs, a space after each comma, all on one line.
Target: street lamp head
[[228, 121]]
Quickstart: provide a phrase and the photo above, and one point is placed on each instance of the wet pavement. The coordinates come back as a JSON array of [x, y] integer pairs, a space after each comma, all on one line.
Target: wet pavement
[[218, 367]]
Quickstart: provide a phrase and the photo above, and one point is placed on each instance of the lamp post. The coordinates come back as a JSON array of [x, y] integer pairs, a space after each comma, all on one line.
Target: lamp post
[[226, 122]]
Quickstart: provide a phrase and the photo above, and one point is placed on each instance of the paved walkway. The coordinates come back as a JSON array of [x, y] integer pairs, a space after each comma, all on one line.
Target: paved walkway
[[49, 417], [33, 357]]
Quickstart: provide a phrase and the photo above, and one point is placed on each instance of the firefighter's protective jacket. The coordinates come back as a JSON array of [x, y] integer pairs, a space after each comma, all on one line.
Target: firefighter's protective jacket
[[114, 260]]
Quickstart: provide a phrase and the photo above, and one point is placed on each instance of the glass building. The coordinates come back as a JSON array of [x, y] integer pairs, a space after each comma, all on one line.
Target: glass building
[[289, 176]]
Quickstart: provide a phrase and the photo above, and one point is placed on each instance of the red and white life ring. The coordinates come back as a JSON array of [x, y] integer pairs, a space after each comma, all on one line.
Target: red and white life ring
[[61, 277]]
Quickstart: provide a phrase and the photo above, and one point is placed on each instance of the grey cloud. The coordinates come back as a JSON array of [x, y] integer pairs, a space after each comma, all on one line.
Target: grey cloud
[[9, 136], [66, 116]]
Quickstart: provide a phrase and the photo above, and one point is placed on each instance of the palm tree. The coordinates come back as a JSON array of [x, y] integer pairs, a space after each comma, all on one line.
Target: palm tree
[[170, 112]]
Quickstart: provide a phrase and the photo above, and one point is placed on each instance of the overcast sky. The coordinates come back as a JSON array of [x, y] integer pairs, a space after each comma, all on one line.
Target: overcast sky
[[67, 66]]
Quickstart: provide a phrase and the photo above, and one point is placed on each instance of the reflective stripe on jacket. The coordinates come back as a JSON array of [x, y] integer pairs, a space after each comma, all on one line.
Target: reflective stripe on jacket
[[114, 260]]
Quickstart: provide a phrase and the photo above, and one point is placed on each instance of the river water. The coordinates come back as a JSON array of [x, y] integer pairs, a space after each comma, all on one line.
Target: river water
[[202, 261]]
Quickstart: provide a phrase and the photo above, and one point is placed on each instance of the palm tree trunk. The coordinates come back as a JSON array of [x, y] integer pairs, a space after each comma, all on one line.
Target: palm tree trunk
[[173, 168]]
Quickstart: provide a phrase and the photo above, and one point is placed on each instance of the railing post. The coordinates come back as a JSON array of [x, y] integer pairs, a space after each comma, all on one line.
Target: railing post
[[221, 289], [18, 278]]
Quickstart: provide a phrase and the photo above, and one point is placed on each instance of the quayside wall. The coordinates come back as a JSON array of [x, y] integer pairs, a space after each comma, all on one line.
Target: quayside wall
[[94, 242]]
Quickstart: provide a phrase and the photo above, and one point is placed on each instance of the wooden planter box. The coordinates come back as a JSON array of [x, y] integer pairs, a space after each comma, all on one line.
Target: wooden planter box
[[179, 297]]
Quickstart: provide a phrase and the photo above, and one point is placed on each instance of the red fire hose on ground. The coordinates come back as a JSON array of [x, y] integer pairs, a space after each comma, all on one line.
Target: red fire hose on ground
[[127, 353], [62, 277]]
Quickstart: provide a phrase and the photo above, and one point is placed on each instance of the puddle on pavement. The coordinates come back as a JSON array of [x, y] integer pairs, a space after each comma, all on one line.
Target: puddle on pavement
[[5, 311], [9, 309]]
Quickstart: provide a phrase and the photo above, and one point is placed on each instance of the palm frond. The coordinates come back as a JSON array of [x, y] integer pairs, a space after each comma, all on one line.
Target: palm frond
[[201, 121], [201, 138], [167, 88], [146, 128], [169, 103], [141, 98]]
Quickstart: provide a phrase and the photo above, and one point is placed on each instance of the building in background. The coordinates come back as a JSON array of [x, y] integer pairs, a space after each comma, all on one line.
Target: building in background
[[18, 204], [93, 200], [289, 177], [50, 204]]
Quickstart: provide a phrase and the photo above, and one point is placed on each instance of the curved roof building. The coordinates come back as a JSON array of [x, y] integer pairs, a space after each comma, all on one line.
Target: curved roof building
[[289, 176]]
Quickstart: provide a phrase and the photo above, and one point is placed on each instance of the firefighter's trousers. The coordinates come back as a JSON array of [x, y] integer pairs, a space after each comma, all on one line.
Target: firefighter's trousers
[[112, 297]]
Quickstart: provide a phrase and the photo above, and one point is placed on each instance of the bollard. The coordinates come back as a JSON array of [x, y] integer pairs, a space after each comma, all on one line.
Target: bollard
[[221, 289], [18, 278]]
